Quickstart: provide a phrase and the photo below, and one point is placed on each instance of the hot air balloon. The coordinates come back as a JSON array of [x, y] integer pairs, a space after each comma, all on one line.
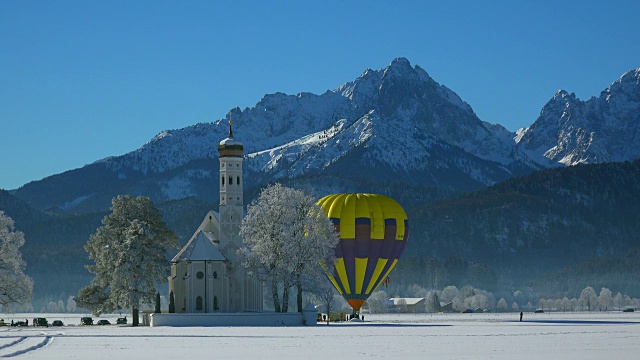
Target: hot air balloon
[[373, 233]]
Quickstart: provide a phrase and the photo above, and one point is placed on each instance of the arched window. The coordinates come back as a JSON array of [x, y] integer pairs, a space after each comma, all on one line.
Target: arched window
[[238, 182], [230, 180], [215, 274], [223, 181], [215, 304], [199, 303]]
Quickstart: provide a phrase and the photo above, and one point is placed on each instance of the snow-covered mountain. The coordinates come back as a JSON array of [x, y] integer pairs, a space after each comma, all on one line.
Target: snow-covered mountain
[[395, 127], [603, 129], [395, 105]]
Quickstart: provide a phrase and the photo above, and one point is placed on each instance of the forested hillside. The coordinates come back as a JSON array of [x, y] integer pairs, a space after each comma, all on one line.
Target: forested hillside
[[556, 231], [524, 227]]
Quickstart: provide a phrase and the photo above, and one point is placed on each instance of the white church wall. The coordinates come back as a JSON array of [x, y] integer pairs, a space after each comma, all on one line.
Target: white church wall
[[235, 319]]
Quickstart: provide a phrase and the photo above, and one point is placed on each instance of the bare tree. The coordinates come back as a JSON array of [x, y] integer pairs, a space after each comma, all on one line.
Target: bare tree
[[325, 294]]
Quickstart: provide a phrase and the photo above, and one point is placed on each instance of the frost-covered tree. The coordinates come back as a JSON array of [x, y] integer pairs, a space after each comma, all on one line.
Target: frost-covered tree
[[287, 238], [573, 304], [588, 298], [605, 299], [542, 303], [458, 303], [15, 287], [401, 304], [377, 302], [502, 305], [416, 291], [449, 293], [129, 252], [519, 297], [71, 304], [423, 293], [618, 301], [479, 301], [431, 301]]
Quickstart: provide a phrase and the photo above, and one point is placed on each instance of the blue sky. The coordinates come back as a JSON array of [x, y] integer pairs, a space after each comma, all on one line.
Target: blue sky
[[83, 80]]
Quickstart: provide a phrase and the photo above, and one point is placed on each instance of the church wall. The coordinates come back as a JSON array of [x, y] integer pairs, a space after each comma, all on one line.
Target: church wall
[[177, 284], [199, 287]]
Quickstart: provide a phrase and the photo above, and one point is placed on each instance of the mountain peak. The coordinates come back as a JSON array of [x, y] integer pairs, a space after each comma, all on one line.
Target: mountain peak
[[628, 83], [632, 75], [400, 62], [399, 68], [563, 94]]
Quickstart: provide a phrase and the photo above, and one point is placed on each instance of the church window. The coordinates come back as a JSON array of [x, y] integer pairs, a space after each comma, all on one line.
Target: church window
[[230, 180], [199, 303], [238, 182], [200, 275], [215, 304], [223, 181], [215, 274]]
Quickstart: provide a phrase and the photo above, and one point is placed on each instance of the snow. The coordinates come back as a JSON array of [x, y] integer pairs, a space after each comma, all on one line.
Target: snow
[[75, 202], [408, 336]]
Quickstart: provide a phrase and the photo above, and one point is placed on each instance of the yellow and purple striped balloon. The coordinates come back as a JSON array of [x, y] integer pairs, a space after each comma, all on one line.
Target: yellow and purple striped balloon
[[373, 233]]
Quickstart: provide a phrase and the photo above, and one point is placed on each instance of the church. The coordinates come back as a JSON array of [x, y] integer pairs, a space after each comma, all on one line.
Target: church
[[207, 274]]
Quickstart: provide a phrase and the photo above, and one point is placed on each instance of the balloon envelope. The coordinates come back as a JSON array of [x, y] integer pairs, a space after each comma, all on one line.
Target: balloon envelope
[[373, 233]]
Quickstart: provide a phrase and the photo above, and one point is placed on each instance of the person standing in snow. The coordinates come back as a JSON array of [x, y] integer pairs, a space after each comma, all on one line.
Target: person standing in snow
[[520, 315]]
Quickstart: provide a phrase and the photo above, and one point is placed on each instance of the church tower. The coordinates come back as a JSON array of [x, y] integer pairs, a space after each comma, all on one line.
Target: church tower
[[207, 274], [231, 214]]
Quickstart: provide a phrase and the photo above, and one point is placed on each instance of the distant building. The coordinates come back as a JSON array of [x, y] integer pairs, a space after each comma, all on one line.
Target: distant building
[[206, 274], [446, 307], [406, 305]]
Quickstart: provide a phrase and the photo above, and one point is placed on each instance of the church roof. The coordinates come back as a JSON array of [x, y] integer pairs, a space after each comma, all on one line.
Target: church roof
[[230, 146], [199, 248]]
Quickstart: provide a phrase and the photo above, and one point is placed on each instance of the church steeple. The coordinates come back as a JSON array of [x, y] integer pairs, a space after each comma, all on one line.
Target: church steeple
[[231, 151], [231, 212], [230, 146]]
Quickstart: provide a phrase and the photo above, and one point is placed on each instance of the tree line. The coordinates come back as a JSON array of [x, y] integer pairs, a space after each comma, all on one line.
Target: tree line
[[468, 297]]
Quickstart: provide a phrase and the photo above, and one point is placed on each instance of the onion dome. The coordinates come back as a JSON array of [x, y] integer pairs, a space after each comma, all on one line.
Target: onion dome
[[230, 146]]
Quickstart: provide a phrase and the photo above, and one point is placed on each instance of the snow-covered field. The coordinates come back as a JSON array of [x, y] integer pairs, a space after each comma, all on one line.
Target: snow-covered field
[[400, 336]]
